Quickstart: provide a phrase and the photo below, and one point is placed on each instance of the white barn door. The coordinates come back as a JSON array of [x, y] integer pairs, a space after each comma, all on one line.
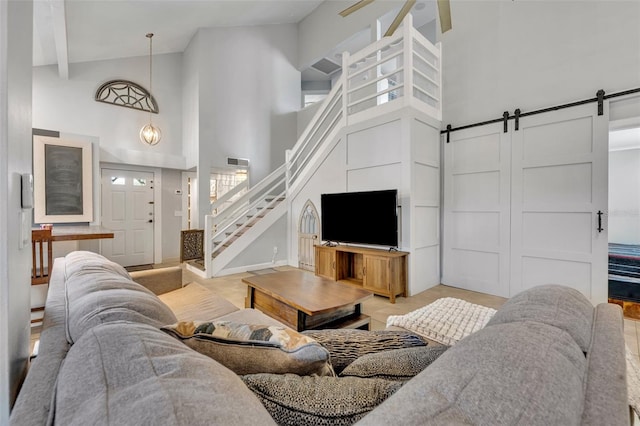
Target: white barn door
[[559, 185], [476, 209]]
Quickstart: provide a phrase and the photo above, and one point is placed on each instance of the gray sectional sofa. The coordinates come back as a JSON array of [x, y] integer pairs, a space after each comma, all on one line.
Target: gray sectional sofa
[[547, 357]]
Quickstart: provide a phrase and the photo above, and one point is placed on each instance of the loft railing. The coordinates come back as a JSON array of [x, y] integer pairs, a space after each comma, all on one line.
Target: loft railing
[[390, 74]]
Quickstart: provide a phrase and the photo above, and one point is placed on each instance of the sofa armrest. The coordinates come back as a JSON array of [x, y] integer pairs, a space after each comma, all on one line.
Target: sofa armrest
[[606, 387], [34, 403]]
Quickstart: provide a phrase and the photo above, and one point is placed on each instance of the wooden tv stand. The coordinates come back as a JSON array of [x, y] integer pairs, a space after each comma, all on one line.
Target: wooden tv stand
[[382, 272]]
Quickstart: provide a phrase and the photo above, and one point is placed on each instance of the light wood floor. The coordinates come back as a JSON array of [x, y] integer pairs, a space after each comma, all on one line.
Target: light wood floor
[[378, 308], [232, 288]]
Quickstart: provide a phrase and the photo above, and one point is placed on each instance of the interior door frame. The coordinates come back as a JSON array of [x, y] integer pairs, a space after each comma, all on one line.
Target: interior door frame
[[157, 201]]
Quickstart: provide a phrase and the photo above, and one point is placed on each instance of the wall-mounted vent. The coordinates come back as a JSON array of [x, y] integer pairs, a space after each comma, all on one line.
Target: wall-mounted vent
[[241, 162], [326, 66]]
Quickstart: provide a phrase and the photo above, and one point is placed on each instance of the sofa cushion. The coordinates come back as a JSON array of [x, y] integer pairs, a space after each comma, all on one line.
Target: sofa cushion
[[396, 364], [133, 374], [311, 400], [100, 294], [345, 346], [254, 348], [525, 373], [559, 306]]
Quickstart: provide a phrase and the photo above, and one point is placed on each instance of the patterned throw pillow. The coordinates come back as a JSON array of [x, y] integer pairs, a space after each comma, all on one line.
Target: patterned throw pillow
[[396, 364], [345, 346], [311, 400], [254, 348]]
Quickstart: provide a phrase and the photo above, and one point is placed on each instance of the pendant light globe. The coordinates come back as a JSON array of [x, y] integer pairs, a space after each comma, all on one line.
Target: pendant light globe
[[150, 134]]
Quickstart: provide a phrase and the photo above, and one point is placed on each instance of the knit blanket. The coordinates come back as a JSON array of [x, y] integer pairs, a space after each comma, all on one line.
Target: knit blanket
[[445, 321]]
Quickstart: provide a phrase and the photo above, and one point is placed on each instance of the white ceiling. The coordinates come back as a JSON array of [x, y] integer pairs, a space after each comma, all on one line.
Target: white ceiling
[[71, 31], [108, 29]]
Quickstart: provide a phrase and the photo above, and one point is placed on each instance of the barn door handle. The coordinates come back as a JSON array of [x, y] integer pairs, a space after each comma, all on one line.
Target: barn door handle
[[600, 229]]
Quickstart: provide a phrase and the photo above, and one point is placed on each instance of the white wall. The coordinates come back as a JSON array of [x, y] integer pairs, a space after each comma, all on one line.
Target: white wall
[[305, 116], [171, 223], [624, 196], [260, 253], [191, 102], [397, 151], [503, 55], [15, 158], [324, 29], [249, 93], [69, 106]]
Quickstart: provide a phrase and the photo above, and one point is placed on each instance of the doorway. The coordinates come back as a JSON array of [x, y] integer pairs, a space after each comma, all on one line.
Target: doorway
[[128, 210], [624, 215]]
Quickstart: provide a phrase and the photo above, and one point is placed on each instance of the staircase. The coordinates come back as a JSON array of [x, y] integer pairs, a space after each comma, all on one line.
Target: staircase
[[397, 72]]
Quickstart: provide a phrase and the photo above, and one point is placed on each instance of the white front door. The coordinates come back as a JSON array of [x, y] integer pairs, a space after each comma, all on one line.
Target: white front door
[[127, 210], [559, 201]]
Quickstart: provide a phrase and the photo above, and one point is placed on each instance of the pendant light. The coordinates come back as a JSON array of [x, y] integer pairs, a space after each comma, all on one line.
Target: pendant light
[[150, 134]]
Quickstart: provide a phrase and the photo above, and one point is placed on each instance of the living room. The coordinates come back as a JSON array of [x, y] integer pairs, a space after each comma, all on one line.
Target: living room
[[574, 63]]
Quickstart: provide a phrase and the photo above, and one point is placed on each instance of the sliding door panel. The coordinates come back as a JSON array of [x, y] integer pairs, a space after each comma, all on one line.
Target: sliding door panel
[[476, 210], [559, 183]]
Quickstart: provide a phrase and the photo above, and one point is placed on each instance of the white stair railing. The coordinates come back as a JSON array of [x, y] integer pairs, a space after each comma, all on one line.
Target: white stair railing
[[390, 74]]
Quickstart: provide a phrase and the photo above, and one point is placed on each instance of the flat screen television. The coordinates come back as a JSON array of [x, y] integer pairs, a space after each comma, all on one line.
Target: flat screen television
[[368, 217]]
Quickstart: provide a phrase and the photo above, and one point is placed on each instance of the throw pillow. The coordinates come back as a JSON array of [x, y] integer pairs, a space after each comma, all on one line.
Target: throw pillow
[[345, 346], [311, 400], [254, 348], [397, 364]]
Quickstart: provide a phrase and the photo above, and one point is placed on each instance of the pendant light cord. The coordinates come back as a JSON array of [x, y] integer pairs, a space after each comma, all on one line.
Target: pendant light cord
[[150, 36]]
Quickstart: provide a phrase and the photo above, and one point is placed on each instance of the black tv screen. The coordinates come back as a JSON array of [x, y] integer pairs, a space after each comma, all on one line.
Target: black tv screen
[[368, 217]]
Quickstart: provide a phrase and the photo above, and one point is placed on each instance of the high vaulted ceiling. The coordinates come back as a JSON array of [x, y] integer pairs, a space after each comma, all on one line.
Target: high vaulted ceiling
[[71, 31], [92, 30]]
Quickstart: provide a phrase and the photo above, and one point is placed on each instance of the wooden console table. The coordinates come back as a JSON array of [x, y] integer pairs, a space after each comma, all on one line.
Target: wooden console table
[[75, 233], [304, 301], [381, 271]]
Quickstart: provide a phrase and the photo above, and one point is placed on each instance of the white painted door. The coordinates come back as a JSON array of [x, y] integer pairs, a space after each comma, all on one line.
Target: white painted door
[[127, 209], [476, 209], [559, 184]]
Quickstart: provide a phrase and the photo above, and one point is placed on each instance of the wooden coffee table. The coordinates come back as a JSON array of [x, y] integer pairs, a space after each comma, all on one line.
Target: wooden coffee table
[[304, 301]]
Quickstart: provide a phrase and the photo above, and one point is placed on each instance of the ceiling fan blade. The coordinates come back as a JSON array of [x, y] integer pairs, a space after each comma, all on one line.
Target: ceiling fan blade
[[396, 22], [444, 9], [351, 9]]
